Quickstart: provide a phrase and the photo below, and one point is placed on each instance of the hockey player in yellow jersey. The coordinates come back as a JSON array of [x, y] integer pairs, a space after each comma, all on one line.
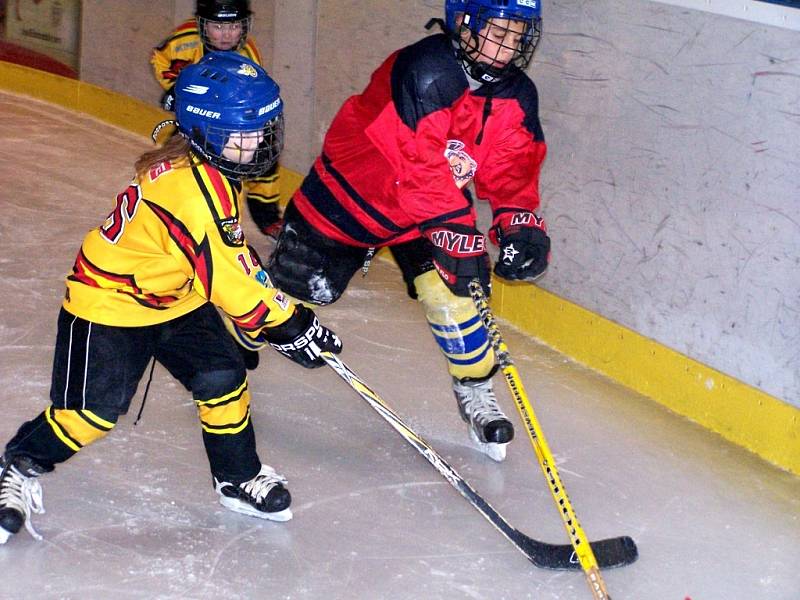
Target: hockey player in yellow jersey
[[219, 25], [145, 285]]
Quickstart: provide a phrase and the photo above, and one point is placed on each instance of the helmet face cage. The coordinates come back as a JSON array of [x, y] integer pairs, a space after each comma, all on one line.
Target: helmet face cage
[[204, 23], [223, 14], [482, 36], [238, 153]]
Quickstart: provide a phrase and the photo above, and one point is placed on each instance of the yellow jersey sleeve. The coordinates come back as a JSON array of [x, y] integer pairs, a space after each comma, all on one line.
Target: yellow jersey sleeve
[[182, 47]]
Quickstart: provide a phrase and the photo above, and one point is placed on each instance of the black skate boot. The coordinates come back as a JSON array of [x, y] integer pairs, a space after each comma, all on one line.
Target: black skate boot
[[264, 496], [20, 495], [489, 428]]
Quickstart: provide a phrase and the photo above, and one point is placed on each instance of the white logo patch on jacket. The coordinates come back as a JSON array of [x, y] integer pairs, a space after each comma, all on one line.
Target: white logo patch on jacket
[[462, 165]]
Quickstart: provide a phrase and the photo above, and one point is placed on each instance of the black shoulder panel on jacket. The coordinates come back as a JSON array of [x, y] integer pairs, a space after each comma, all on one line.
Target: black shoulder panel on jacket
[[523, 90], [426, 77]]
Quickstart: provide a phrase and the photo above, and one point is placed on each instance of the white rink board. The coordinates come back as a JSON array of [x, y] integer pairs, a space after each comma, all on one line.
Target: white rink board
[[750, 10]]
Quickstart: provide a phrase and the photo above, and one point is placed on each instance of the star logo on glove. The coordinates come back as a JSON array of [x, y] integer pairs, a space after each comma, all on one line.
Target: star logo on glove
[[509, 252]]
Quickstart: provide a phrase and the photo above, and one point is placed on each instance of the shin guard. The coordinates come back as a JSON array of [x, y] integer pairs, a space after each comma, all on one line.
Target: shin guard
[[457, 328]]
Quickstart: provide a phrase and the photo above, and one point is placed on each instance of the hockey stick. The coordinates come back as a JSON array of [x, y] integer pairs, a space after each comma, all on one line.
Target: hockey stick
[[612, 552], [583, 550]]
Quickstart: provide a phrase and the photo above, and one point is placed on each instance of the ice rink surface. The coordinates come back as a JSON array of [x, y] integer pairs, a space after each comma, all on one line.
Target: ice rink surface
[[135, 515]]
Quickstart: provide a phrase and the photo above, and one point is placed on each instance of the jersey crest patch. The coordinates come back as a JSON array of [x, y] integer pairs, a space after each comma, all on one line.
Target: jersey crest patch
[[462, 165], [231, 232]]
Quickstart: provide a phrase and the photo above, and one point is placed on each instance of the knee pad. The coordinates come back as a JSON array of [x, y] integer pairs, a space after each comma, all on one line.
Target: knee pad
[[309, 266], [226, 412], [414, 259], [457, 328]]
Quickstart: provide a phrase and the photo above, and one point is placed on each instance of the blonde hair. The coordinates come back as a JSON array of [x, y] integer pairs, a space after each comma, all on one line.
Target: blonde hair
[[175, 150]]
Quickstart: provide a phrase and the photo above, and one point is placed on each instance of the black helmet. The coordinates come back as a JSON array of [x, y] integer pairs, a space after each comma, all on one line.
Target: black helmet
[[223, 11]]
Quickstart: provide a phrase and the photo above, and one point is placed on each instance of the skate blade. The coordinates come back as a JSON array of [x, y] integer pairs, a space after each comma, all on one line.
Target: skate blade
[[497, 452], [242, 507], [4, 535]]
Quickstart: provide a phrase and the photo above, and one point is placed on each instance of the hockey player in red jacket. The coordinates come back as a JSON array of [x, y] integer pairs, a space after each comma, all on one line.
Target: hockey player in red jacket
[[145, 285], [451, 110]]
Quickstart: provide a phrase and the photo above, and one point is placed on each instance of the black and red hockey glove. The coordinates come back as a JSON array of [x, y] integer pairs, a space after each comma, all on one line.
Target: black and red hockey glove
[[459, 255], [303, 339], [524, 245]]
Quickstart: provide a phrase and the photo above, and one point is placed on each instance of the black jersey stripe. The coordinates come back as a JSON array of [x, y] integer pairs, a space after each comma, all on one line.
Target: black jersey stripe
[[327, 205], [441, 219], [368, 208], [206, 193]]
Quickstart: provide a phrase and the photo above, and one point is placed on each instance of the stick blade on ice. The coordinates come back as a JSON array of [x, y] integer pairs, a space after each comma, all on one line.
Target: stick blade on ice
[[610, 553]]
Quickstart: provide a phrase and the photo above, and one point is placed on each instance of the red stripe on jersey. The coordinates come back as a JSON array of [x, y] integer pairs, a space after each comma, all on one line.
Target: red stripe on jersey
[[198, 255], [86, 272], [219, 187], [250, 47], [252, 320], [80, 271], [192, 24]]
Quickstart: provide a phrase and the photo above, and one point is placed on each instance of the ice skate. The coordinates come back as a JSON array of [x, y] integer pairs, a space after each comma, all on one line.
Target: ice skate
[[264, 496], [20, 495], [489, 428]]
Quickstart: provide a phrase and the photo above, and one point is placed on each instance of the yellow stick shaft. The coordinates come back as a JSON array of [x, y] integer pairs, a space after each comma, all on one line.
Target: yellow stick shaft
[[583, 550], [577, 536]]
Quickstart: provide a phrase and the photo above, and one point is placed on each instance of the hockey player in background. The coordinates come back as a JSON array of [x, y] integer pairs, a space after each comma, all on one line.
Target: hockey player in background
[[450, 110], [219, 25], [145, 285]]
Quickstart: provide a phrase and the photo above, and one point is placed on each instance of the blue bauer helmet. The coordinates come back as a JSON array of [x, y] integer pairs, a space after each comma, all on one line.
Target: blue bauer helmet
[[483, 61], [231, 112]]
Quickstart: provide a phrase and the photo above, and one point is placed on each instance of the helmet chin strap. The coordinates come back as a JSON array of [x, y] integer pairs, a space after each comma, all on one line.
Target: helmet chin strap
[[157, 129], [482, 73], [479, 72]]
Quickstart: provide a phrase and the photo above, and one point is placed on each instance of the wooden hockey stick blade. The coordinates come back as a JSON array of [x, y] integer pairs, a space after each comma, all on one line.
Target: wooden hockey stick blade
[[612, 552]]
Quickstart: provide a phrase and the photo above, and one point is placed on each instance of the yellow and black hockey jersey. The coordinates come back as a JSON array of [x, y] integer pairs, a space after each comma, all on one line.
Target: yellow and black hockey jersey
[[185, 47], [172, 243]]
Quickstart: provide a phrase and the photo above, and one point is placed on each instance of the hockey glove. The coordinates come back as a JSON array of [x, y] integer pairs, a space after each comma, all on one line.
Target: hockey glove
[[302, 338], [524, 245], [459, 255]]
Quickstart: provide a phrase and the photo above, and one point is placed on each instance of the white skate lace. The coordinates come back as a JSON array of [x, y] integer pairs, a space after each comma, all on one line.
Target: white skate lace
[[23, 494], [260, 486], [479, 402]]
